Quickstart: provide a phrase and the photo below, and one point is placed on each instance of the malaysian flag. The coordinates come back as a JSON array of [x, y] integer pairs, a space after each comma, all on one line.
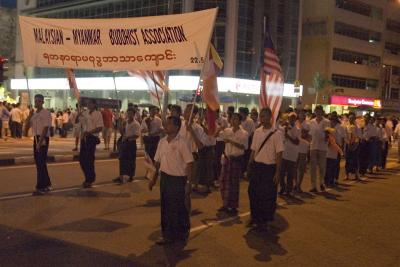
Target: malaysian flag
[[271, 90]]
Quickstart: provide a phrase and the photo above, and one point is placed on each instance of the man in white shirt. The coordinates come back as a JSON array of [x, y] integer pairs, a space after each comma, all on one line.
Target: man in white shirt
[[16, 121], [222, 124], [290, 155], [397, 136], [151, 129], [92, 124], [318, 148], [236, 140], [174, 161], [265, 161], [304, 147], [40, 121]]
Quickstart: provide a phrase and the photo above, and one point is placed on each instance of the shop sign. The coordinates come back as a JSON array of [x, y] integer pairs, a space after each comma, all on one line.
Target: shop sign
[[355, 101]]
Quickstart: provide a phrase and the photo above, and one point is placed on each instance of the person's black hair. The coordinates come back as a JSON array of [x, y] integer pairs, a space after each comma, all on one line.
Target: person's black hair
[[176, 121], [93, 101], [319, 107], [130, 105], [177, 108], [131, 109], [195, 109], [236, 114], [267, 110], [231, 109]]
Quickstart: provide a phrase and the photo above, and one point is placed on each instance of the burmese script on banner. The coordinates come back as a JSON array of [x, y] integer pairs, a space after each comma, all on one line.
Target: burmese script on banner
[[145, 43]]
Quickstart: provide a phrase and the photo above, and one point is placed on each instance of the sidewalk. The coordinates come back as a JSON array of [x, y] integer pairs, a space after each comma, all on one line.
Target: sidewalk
[[19, 151]]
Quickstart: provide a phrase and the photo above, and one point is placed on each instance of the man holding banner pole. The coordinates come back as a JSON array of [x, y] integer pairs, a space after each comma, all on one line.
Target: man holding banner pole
[[40, 121], [92, 124]]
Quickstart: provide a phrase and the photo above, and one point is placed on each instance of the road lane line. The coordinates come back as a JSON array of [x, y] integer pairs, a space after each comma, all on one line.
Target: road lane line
[[75, 188]]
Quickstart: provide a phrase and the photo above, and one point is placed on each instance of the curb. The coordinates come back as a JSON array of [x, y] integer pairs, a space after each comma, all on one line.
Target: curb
[[28, 160]]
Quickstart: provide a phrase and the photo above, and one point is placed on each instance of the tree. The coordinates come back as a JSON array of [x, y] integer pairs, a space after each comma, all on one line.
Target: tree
[[319, 83]]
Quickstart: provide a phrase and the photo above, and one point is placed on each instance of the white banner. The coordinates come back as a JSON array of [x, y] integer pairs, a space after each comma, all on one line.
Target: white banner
[[144, 43]]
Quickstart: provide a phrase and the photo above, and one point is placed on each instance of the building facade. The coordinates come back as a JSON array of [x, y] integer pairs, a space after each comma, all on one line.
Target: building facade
[[237, 36], [356, 45]]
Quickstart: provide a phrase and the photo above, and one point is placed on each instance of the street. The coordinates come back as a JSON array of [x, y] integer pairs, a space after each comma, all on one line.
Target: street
[[112, 225]]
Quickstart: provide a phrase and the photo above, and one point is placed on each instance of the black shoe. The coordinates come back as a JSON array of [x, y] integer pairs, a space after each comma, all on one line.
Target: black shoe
[[232, 211], [314, 190], [87, 185], [251, 224], [322, 187], [48, 189], [164, 241], [282, 192], [130, 180], [222, 209]]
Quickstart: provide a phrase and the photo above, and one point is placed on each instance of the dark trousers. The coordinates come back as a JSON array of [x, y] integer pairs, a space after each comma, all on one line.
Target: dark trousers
[[219, 150], [150, 145], [43, 179], [262, 192], [337, 168], [87, 157], [331, 167], [175, 221], [16, 129], [288, 169], [127, 158], [1, 128]]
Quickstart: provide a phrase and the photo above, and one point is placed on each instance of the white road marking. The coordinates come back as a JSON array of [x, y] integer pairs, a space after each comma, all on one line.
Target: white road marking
[[61, 190]]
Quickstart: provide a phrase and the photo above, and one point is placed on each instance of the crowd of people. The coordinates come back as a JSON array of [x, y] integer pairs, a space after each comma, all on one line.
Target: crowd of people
[[195, 150]]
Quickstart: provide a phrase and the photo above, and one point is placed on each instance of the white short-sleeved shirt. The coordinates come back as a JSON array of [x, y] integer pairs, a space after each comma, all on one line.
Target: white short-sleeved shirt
[[39, 121], [240, 137], [91, 121], [65, 118], [16, 115], [291, 151], [317, 131], [273, 146], [173, 156], [132, 129], [155, 126], [198, 131], [340, 134], [370, 131], [248, 126], [331, 153]]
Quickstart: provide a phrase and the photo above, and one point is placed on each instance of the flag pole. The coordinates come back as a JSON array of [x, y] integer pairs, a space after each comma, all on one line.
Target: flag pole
[[155, 85], [200, 79], [119, 113], [202, 69]]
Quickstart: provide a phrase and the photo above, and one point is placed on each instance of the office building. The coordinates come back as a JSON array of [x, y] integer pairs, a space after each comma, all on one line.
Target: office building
[[356, 45]]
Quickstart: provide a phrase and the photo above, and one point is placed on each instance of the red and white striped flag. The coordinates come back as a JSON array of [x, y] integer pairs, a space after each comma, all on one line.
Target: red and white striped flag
[[271, 90], [72, 83]]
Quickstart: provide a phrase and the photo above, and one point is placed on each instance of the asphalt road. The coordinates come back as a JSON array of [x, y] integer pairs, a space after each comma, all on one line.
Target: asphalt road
[[355, 224]]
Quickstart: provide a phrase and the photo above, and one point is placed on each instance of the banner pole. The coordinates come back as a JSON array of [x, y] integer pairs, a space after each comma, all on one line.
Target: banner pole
[[155, 85], [29, 103], [118, 112]]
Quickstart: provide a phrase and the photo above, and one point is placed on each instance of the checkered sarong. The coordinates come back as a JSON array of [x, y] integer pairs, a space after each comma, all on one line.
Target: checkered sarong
[[231, 173]]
